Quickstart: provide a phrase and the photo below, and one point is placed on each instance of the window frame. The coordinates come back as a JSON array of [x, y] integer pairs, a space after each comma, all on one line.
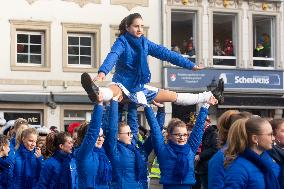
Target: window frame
[[78, 28], [237, 41], [29, 54], [73, 107], [277, 49], [234, 39], [197, 31], [91, 55], [30, 26]]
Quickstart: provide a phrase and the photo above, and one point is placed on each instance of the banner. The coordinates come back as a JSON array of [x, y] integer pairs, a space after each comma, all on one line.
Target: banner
[[234, 80]]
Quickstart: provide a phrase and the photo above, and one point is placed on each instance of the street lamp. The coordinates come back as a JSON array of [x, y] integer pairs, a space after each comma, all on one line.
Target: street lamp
[[212, 86], [217, 89]]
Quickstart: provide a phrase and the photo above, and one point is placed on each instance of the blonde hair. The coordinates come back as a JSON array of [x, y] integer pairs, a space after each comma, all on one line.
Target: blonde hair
[[21, 134], [225, 122], [122, 124], [240, 136], [175, 122], [19, 122]]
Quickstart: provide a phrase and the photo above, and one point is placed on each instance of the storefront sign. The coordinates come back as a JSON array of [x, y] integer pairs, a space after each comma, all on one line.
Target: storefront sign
[[32, 118], [252, 80]]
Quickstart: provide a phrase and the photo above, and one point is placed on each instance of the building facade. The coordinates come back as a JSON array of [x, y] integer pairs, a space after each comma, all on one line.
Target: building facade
[[239, 41], [47, 44]]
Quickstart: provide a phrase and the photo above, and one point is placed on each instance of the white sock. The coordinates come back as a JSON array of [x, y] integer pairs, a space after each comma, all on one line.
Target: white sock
[[190, 98], [107, 93]]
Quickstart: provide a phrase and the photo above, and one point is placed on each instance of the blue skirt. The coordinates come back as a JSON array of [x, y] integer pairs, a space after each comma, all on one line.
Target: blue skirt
[[147, 95]]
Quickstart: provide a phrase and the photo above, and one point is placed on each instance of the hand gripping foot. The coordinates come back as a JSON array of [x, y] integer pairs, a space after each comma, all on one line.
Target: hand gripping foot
[[90, 87]]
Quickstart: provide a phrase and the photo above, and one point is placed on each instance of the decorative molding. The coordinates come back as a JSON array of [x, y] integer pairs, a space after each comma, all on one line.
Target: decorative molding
[[225, 3], [130, 4], [82, 3], [185, 2], [31, 1], [264, 5]]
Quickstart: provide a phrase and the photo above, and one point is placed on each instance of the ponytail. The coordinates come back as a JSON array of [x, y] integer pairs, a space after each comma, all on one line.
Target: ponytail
[[237, 141], [240, 136], [53, 140], [126, 22]]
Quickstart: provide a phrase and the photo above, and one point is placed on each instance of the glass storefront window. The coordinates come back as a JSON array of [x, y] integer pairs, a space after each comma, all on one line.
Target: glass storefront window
[[224, 39], [183, 33], [263, 41], [71, 116]]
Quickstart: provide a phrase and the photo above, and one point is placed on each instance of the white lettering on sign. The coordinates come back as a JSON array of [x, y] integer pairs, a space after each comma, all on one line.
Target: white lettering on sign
[[32, 120], [254, 79]]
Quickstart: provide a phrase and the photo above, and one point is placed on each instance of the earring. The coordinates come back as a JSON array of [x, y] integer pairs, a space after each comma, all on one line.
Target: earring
[[256, 144]]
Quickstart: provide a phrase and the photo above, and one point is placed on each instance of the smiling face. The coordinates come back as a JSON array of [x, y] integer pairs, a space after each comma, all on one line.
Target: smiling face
[[136, 28], [179, 135], [125, 135]]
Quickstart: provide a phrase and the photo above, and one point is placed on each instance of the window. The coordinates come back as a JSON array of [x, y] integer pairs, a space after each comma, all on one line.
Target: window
[[30, 48], [183, 33], [263, 41], [81, 47], [224, 39], [30, 45], [71, 116]]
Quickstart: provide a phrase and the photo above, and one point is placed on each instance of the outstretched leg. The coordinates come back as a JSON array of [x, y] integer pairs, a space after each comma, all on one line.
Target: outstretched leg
[[182, 98]]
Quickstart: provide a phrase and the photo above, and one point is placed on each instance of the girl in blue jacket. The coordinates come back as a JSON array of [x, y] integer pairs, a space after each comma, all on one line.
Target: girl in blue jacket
[[28, 161], [129, 56], [129, 166], [6, 163], [176, 158], [56, 172], [216, 170], [248, 164], [93, 166]]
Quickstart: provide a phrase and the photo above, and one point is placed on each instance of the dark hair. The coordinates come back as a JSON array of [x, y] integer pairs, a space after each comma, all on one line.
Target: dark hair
[[126, 22], [275, 124], [53, 140], [81, 132]]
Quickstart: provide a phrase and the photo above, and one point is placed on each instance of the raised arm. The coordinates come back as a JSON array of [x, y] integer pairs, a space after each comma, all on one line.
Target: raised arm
[[156, 133], [92, 133], [112, 57], [132, 121], [112, 130], [160, 117], [165, 54], [198, 129]]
